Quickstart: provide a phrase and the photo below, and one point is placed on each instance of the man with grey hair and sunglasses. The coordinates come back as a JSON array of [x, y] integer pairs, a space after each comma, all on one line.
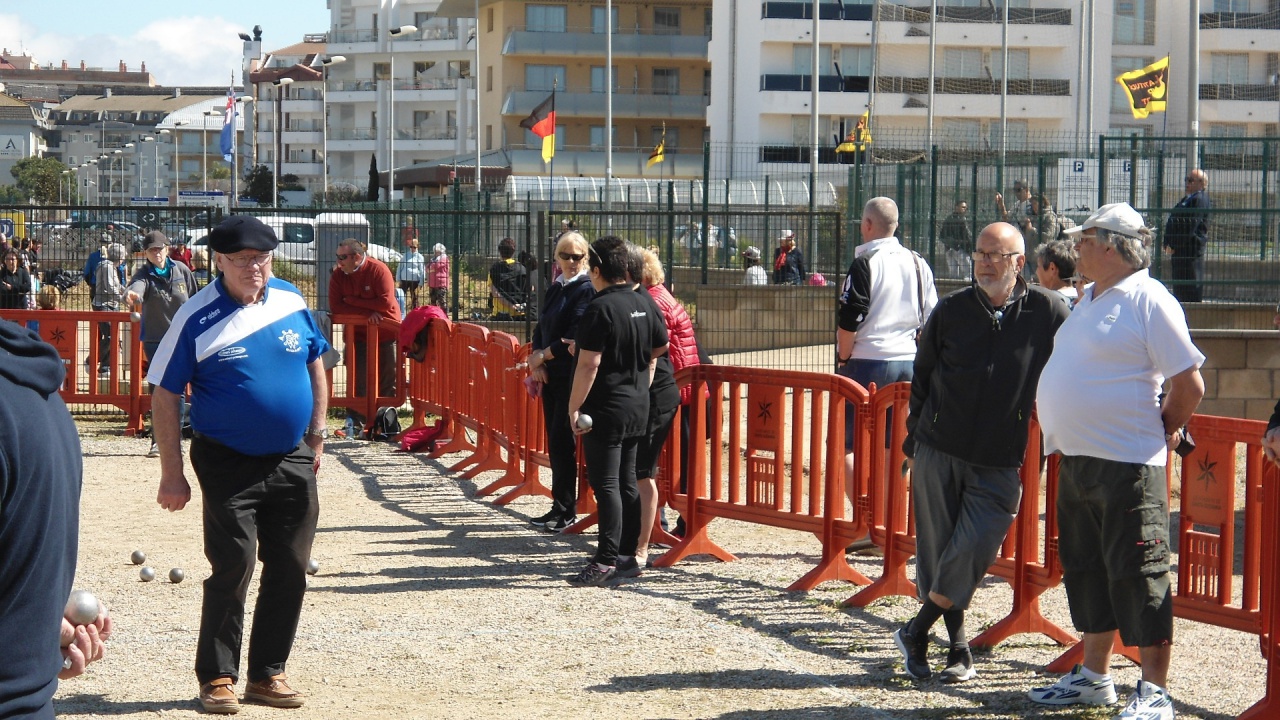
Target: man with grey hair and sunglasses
[[1102, 411]]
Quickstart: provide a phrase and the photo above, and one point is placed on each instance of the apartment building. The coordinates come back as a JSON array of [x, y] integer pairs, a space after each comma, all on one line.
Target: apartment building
[[1062, 58], [403, 93], [289, 96]]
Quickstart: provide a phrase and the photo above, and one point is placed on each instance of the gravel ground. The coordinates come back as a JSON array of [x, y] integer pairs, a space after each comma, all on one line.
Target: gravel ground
[[431, 603]]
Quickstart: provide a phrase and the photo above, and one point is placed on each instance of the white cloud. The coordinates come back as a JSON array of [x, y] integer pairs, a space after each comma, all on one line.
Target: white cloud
[[177, 51]]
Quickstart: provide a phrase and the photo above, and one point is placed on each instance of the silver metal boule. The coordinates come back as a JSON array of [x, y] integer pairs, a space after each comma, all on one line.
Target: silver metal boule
[[176, 575], [313, 566], [584, 421], [135, 317], [137, 557], [147, 574], [82, 607]]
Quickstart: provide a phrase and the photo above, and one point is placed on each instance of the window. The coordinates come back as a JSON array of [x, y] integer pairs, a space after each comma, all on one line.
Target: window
[[423, 117], [1227, 130], [666, 21], [706, 83], [543, 77], [1019, 64], [1229, 68], [488, 79], [1234, 6], [420, 19], [1135, 22], [706, 22], [545, 18], [489, 20], [855, 60], [800, 130], [533, 142], [488, 137], [597, 136], [802, 60], [598, 79], [381, 71], [71, 160], [963, 63], [962, 132], [1017, 132], [421, 66], [597, 20], [666, 81], [1120, 65]]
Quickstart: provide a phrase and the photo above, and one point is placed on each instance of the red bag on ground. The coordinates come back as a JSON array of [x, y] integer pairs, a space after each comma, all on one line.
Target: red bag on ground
[[421, 438]]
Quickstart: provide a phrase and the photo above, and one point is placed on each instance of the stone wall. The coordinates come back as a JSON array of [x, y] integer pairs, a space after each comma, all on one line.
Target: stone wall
[[1241, 372]]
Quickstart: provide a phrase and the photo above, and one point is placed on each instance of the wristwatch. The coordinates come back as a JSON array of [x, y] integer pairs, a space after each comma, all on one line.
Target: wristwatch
[[322, 433]]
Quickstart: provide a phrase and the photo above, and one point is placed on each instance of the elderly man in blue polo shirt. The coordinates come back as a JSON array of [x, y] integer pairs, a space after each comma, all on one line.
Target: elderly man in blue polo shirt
[[248, 347]]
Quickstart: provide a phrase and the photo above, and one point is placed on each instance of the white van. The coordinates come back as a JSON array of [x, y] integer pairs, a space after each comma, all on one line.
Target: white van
[[298, 236]]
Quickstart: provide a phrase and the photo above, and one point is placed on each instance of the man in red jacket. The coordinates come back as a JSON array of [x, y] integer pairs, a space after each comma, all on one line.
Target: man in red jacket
[[363, 285]]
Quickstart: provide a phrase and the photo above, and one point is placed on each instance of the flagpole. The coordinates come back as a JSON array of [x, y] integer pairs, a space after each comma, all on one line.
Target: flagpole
[[551, 198], [235, 149]]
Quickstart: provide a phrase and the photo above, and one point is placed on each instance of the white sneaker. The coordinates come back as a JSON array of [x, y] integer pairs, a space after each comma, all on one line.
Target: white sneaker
[[154, 452], [1150, 702], [1074, 688]]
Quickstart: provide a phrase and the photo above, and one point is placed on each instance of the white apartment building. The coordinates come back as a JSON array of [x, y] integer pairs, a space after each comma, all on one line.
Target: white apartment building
[[761, 64], [403, 94]]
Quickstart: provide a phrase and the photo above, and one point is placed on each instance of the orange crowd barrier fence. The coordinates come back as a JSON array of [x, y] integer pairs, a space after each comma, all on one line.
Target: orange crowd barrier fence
[[768, 448], [352, 335], [75, 335]]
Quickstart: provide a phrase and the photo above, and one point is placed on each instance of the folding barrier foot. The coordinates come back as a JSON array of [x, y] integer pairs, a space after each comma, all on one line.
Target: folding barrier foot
[[695, 542], [832, 567], [513, 477], [583, 524]]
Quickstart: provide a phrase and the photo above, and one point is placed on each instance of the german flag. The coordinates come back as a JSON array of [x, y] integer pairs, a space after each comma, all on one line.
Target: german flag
[[542, 122]]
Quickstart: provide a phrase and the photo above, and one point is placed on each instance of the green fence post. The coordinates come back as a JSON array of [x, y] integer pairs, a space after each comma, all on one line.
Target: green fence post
[[457, 244], [671, 230], [706, 208], [724, 228], [1265, 235], [1157, 257], [1102, 171], [973, 203], [933, 205], [1133, 170], [848, 210]]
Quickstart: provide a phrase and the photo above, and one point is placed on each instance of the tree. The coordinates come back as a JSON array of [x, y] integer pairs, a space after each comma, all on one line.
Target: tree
[[372, 195], [220, 172], [11, 195], [258, 185], [38, 179]]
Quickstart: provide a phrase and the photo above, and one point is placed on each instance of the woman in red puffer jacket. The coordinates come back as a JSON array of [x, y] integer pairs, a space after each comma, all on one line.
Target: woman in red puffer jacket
[[682, 351]]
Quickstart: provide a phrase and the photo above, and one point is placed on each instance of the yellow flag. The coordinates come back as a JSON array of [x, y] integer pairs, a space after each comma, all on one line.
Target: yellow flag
[[659, 153], [1147, 88], [858, 138]]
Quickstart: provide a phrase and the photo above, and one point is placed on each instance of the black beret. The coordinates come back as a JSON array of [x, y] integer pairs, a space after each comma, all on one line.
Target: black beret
[[242, 232]]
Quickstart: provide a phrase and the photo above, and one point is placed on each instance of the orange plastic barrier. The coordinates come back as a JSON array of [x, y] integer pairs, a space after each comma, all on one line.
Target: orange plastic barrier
[[367, 405], [792, 480], [501, 425], [75, 335], [429, 389]]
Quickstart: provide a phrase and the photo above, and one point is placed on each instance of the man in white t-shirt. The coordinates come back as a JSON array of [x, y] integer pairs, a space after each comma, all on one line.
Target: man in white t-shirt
[[1101, 409], [887, 294]]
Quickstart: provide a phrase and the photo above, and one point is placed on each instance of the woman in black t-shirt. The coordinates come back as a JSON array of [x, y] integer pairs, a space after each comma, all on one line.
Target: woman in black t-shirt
[[620, 336]]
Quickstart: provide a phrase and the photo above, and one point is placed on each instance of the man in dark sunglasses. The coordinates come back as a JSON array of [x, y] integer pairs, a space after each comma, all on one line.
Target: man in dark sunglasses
[[1186, 233]]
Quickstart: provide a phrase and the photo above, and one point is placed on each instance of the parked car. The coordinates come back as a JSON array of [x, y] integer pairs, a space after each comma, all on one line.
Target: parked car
[[297, 237]]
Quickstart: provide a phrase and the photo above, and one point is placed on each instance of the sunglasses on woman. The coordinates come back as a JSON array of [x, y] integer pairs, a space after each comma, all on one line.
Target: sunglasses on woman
[[571, 257]]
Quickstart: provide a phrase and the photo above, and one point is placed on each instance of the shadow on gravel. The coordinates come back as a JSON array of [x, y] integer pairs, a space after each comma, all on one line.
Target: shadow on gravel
[[99, 705]]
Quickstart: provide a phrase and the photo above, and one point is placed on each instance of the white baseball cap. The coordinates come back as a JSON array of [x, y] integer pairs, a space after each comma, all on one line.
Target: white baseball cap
[[1116, 217]]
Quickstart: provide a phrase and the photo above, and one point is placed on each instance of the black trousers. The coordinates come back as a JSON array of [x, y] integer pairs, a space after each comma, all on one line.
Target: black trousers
[[1188, 272], [562, 447], [263, 504], [611, 469], [104, 341]]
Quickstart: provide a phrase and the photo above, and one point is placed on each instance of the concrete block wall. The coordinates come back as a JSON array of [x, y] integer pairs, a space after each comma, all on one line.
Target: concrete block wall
[[1241, 372]]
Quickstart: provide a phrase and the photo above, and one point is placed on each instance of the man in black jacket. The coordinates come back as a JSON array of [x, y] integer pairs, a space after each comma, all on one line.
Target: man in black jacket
[[974, 383]]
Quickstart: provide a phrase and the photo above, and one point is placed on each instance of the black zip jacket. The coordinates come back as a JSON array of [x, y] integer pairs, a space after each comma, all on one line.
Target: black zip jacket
[[976, 374]]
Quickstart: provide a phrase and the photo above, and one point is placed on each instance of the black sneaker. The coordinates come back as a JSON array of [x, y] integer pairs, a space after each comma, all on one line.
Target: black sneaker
[[542, 520], [628, 568], [959, 665], [560, 523], [915, 653], [592, 576]]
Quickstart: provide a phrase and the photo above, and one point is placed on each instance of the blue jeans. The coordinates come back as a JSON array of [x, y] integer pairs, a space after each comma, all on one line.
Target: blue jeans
[[865, 372]]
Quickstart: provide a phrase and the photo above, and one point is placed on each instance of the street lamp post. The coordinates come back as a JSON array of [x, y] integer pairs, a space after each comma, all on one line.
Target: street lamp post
[[111, 180], [324, 120], [391, 115], [177, 162], [280, 84], [155, 166], [120, 152], [204, 147]]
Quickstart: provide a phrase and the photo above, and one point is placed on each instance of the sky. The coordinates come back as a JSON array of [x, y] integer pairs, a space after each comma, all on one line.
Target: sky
[[182, 42]]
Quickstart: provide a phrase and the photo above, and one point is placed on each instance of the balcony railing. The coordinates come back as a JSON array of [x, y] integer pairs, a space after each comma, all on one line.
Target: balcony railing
[[902, 13], [972, 86], [435, 83], [626, 103], [354, 36], [424, 132], [826, 83], [1239, 92], [585, 42], [358, 133], [1240, 21]]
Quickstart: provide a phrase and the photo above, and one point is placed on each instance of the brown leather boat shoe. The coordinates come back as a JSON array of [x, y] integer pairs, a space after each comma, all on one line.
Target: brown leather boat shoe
[[273, 691], [219, 696]]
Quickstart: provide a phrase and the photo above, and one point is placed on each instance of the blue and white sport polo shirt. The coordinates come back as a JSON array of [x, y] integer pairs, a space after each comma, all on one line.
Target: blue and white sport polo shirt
[[247, 366]]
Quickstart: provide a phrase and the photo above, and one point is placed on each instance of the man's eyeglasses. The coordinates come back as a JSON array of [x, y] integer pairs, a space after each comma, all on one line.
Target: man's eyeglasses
[[572, 257], [1190, 179], [992, 257], [344, 256], [244, 261]]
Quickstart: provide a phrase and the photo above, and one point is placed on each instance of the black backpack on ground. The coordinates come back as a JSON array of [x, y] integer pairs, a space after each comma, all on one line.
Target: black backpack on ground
[[385, 425]]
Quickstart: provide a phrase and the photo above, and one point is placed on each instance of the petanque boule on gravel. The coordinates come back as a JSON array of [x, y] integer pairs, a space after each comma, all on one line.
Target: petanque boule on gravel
[[584, 421], [137, 557], [147, 574], [313, 566], [82, 607], [176, 575]]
